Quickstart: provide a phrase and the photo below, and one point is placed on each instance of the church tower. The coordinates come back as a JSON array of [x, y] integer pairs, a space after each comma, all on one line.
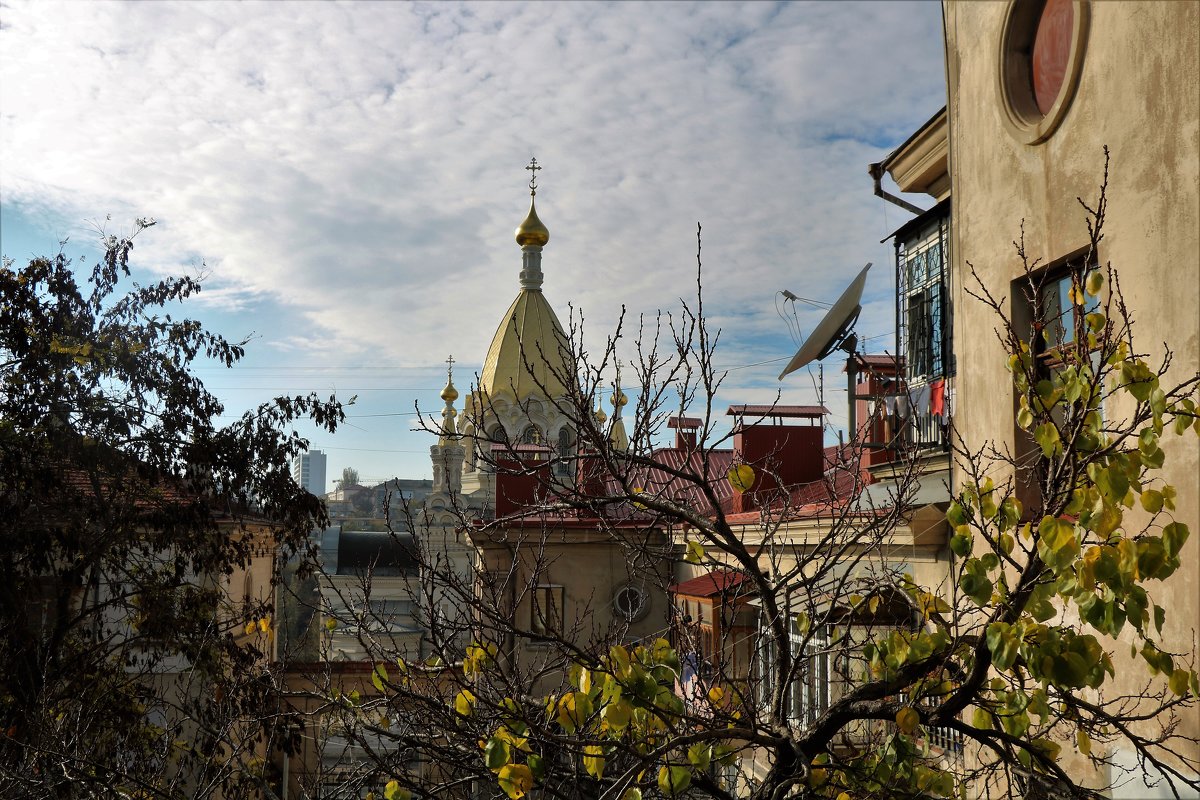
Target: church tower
[[527, 372]]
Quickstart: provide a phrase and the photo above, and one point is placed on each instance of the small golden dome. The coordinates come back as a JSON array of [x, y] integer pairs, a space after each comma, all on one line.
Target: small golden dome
[[532, 231], [601, 417], [449, 394], [619, 399]]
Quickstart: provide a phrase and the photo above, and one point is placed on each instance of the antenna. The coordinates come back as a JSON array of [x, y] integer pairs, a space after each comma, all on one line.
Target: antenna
[[834, 331]]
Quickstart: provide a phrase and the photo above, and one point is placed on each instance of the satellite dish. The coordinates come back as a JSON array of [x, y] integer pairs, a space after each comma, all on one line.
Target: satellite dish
[[834, 330]]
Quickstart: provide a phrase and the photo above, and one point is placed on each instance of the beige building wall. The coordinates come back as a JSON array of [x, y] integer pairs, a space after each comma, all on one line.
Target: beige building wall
[[590, 567], [1138, 93]]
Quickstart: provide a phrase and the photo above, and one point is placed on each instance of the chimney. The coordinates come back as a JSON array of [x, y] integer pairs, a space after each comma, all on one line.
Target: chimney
[[685, 431], [783, 456]]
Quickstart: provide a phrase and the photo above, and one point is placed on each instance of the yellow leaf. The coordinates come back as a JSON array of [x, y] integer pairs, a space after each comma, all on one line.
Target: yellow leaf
[[330, 624], [264, 624], [393, 791], [250, 626], [1083, 742], [907, 719], [593, 760], [515, 780], [464, 703], [618, 714], [695, 552], [741, 477]]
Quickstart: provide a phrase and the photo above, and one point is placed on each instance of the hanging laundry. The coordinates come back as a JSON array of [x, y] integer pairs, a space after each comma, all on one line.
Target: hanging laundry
[[920, 401], [937, 398]]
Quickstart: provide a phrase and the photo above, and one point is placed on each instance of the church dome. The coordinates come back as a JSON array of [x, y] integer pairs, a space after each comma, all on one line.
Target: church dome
[[528, 354], [532, 230]]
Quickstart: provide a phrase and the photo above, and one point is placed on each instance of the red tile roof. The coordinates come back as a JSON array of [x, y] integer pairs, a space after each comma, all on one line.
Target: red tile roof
[[710, 584]]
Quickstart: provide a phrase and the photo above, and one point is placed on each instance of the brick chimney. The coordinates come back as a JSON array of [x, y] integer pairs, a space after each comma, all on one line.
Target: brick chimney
[[783, 455], [685, 431]]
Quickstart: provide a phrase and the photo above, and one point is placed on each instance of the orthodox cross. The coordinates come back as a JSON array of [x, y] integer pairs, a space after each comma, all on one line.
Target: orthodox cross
[[449, 369], [533, 171]]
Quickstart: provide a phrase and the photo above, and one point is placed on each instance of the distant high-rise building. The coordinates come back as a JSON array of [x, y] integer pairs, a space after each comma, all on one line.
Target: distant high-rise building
[[309, 471]]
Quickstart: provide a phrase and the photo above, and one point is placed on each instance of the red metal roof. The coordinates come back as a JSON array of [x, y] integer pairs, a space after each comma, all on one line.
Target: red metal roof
[[684, 422], [880, 359], [710, 584]]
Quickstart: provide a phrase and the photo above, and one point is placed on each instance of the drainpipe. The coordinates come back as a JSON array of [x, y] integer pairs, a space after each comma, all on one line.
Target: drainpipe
[[876, 173]]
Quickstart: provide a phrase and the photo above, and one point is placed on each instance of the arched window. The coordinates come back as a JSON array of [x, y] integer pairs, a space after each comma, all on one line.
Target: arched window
[[532, 435], [564, 450]]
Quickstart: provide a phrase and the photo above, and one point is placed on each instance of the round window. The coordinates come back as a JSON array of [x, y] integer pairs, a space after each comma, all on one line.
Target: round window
[[1041, 55], [631, 603]]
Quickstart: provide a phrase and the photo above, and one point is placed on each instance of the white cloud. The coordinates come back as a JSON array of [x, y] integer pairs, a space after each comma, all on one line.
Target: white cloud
[[359, 165]]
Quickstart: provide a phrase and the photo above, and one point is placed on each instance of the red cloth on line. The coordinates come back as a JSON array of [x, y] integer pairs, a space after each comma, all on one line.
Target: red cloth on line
[[937, 398]]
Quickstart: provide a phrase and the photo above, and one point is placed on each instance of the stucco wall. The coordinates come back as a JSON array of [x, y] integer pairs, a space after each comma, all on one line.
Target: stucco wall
[[1139, 93]]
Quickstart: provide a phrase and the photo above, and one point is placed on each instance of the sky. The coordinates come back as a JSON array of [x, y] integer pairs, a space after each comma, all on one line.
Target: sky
[[347, 177]]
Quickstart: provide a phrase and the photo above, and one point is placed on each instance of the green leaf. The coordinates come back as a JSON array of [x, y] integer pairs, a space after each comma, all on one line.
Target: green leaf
[[673, 781], [496, 753], [1094, 282], [700, 754], [1178, 681], [378, 676], [1173, 536], [1046, 436], [981, 719], [976, 587], [695, 552]]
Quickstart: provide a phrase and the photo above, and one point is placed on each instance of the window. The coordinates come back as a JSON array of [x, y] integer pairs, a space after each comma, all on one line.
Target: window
[[1041, 57], [546, 617], [809, 693], [923, 322], [1056, 313], [923, 295], [389, 616], [531, 435], [564, 451]]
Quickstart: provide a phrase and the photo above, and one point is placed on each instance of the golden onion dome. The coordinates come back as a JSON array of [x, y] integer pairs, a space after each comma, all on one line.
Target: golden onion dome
[[619, 399], [601, 417], [449, 394], [532, 231]]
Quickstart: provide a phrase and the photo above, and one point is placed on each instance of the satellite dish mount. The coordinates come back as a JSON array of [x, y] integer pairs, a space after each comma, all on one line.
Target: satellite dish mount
[[836, 332]]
